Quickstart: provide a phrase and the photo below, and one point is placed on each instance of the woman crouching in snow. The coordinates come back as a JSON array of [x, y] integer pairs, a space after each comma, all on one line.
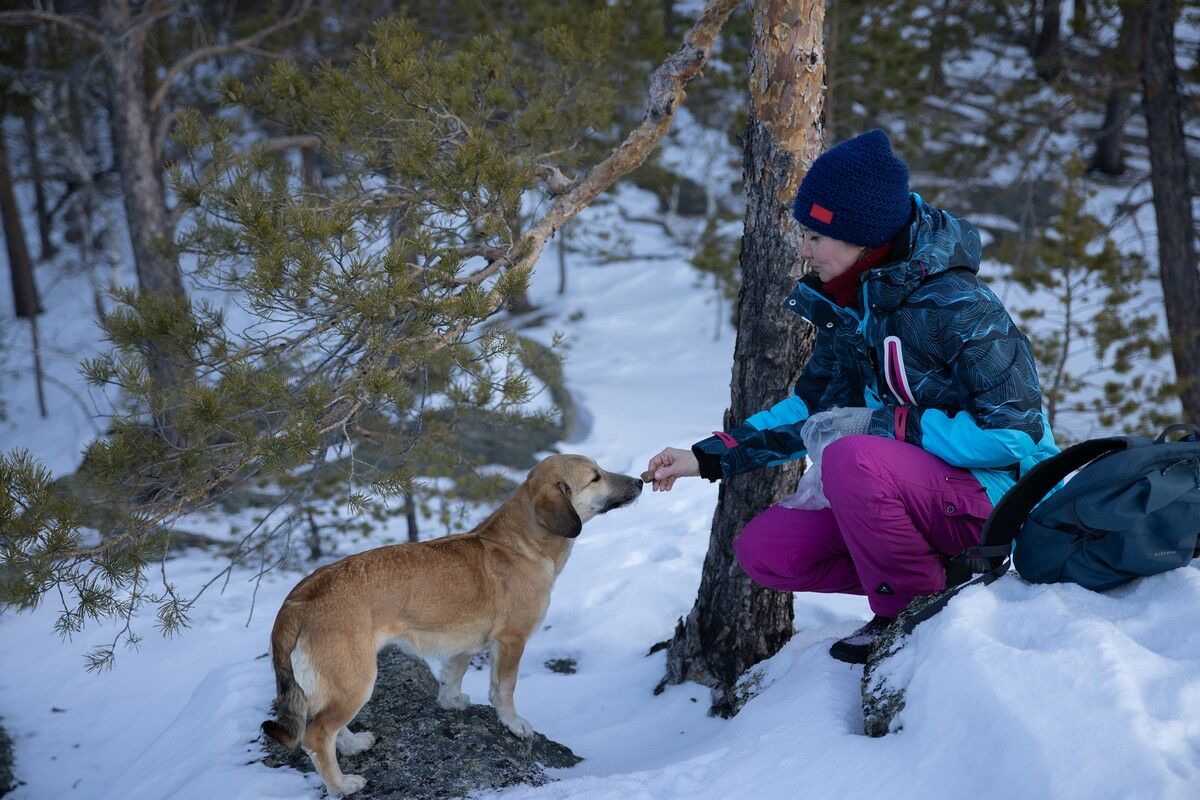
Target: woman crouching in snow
[[918, 371]]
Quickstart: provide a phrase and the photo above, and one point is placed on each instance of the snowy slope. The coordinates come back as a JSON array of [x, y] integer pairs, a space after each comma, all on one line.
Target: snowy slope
[[1037, 692]]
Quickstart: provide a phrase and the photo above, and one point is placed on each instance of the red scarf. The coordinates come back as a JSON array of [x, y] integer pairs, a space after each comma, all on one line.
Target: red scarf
[[844, 288]]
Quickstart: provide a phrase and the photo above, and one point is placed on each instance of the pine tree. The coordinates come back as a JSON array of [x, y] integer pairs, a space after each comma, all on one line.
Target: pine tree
[[735, 623], [1170, 177], [371, 294], [1096, 344]]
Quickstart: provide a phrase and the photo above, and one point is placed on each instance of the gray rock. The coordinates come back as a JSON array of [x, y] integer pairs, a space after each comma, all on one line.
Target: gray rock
[[882, 698], [427, 753], [7, 781]]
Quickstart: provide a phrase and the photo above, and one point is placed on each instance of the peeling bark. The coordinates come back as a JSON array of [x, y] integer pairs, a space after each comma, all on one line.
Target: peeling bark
[[735, 623]]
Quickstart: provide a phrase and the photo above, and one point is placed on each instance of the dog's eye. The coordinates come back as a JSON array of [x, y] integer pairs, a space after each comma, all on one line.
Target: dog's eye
[[596, 478]]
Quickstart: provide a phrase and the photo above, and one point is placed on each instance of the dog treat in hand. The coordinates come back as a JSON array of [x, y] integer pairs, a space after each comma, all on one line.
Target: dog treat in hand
[[647, 477]]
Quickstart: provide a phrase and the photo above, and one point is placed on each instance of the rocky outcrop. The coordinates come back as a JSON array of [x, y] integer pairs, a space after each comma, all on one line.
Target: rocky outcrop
[[427, 753], [882, 686]]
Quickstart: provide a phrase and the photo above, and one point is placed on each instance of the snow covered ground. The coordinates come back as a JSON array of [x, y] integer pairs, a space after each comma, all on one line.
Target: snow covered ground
[[1015, 690]]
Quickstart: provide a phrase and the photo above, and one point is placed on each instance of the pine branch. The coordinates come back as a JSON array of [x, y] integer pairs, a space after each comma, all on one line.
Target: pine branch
[[276, 144]]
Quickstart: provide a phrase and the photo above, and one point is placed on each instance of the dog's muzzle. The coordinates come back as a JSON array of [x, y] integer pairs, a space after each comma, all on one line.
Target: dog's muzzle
[[631, 489]]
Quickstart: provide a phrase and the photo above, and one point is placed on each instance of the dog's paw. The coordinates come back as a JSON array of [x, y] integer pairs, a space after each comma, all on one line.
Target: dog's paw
[[455, 702], [519, 726], [350, 785], [355, 743]]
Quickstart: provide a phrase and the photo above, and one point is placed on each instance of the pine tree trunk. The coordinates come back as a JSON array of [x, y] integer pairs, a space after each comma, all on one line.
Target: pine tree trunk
[[736, 623], [1170, 179], [936, 84], [141, 182], [835, 113], [562, 260], [24, 287], [1079, 18], [39, 186], [410, 517], [1108, 158], [25, 294], [1047, 48]]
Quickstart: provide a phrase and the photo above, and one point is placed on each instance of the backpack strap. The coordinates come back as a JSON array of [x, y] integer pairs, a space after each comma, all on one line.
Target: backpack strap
[[1010, 514], [1193, 432], [995, 547]]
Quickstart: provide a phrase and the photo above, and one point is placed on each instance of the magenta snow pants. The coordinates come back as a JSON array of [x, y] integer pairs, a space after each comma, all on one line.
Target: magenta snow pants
[[895, 510]]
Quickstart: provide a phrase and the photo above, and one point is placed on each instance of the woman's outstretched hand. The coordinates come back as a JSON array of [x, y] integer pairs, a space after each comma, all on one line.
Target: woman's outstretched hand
[[670, 464]]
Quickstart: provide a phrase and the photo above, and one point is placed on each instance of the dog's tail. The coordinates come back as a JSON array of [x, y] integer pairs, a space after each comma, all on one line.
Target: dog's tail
[[291, 704]]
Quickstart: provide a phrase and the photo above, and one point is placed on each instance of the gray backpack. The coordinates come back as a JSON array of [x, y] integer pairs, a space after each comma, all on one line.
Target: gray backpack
[[1132, 509]]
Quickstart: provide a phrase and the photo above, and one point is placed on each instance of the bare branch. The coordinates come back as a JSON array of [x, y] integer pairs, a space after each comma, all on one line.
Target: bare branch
[[89, 27], [278, 144], [666, 94], [160, 133], [246, 44], [556, 181], [151, 15]]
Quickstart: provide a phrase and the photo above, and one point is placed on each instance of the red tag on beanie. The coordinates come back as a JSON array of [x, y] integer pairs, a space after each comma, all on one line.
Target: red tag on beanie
[[821, 214]]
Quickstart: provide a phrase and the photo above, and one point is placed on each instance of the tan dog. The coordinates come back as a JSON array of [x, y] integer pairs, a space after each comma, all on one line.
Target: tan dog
[[448, 597]]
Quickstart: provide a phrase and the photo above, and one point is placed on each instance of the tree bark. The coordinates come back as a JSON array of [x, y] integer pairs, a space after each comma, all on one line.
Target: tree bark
[[836, 108], [141, 174], [1079, 18], [410, 517], [736, 623], [1169, 177], [1108, 158], [141, 183], [25, 294], [1047, 48], [39, 186], [562, 260]]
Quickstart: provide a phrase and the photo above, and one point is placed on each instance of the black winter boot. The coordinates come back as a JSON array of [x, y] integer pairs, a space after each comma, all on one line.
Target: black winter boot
[[855, 648]]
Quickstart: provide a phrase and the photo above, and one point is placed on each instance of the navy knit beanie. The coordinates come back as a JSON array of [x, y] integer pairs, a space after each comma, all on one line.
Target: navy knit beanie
[[856, 192]]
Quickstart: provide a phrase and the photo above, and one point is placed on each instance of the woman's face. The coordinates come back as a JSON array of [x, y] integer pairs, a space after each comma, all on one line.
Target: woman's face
[[829, 257]]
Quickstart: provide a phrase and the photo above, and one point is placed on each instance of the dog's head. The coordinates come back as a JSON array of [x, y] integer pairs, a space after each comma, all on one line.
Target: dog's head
[[569, 490]]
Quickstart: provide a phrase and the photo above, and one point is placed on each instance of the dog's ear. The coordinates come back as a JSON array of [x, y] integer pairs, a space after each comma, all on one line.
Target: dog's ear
[[555, 512]]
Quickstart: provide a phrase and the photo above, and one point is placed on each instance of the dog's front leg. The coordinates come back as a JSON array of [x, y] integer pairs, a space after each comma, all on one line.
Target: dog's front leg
[[506, 659], [450, 693]]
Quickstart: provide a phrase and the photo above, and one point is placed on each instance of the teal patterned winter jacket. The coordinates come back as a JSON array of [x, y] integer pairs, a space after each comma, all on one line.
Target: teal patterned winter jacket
[[934, 352]]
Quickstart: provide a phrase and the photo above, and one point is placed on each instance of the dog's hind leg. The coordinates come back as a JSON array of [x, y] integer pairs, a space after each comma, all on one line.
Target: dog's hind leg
[[505, 661], [319, 743], [450, 693], [345, 693]]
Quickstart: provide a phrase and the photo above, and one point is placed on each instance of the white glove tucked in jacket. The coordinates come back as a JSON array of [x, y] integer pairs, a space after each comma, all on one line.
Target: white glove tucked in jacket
[[821, 429]]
